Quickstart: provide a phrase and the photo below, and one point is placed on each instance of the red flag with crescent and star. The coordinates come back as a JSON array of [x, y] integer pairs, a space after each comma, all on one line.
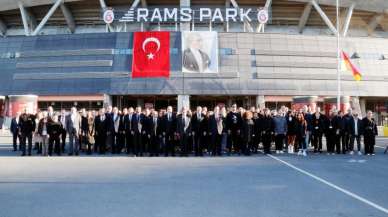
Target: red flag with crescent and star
[[151, 55]]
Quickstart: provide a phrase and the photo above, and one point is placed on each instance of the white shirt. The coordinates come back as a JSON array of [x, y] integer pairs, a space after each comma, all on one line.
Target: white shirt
[[198, 58], [63, 120], [355, 127], [72, 118]]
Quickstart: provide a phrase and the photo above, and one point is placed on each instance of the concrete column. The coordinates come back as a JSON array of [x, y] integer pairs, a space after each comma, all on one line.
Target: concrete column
[[363, 106], [184, 26], [260, 101], [183, 101], [140, 102], [229, 102], [107, 100]]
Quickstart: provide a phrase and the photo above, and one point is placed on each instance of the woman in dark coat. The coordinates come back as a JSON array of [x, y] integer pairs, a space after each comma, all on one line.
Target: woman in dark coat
[[301, 131], [370, 133], [291, 129], [54, 130], [90, 133], [248, 132]]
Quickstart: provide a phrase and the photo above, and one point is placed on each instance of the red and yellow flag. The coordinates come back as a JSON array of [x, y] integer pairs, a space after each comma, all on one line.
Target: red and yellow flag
[[347, 65]]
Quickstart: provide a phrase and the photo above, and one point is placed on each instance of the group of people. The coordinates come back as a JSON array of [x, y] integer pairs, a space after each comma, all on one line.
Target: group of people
[[148, 132]]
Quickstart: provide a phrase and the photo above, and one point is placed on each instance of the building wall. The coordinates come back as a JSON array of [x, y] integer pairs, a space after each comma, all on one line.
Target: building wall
[[250, 64]]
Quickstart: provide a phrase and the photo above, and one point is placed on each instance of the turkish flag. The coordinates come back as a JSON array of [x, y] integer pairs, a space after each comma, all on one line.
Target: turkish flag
[[151, 54]]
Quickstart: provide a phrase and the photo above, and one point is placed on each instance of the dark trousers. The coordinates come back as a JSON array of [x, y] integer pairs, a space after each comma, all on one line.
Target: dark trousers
[[267, 139], [23, 143], [338, 140], [101, 143], [330, 142], [154, 145], [95, 146], [138, 146], [169, 145], [234, 142], [346, 143], [369, 142], [129, 142], [183, 142], [63, 139], [216, 144], [256, 141], [358, 139], [279, 141], [145, 144], [317, 142], [15, 137], [115, 143], [198, 144], [54, 142]]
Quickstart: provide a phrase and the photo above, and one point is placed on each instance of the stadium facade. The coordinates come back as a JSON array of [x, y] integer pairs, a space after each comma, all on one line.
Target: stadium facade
[[69, 53]]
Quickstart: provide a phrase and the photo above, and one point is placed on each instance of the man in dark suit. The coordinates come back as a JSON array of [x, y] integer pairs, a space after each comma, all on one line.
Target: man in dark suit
[[331, 129], [114, 125], [198, 129], [194, 59], [122, 136], [168, 128], [234, 125], [216, 129], [27, 126], [15, 129], [183, 131], [129, 131], [62, 119], [146, 130], [155, 135], [318, 124], [137, 124], [346, 137], [73, 128], [355, 132], [100, 132]]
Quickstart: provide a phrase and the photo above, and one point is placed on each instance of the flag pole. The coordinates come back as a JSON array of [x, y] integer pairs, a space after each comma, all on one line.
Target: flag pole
[[338, 58]]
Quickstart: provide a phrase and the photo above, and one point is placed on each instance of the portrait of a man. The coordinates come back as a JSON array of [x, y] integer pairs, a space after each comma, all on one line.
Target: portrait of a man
[[197, 52]]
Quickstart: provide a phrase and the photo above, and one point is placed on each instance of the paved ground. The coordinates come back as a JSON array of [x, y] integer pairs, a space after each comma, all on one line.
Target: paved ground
[[257, 186]]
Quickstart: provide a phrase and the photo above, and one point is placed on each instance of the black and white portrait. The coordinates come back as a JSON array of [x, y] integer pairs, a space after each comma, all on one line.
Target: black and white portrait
[[200, 52]]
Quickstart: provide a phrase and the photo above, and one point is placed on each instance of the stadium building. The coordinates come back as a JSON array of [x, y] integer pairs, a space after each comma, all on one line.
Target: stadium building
[[256, 53]]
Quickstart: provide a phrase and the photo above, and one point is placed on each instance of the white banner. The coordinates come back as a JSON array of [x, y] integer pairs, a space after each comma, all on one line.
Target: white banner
[[200, 52]]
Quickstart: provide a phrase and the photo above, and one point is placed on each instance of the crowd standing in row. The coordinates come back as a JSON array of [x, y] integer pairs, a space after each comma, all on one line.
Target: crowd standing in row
[[147, 132]]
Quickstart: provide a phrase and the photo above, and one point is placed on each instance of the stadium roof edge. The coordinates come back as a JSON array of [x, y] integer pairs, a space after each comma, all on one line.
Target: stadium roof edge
[[377, 6]]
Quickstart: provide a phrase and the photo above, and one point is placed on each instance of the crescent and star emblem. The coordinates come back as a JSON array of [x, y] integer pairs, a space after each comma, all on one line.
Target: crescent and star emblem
[[150, 55]]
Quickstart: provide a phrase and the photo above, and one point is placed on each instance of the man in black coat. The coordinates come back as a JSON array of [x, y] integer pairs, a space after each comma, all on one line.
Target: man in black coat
[[62, 119], [168, 128], [369, 129], [346, 136], [15, 129], [146, 130], [183, 131], [267, 126], [199, 128], [129, 131], [216, 129], [355, 131], [137, 124], [234, 125], [155, 134], [331, 127], [318, 124], [27, 127], [100, 124]]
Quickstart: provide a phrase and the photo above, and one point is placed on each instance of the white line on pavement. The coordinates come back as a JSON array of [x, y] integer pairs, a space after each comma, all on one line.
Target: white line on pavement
[[379, 146], [355, 196]]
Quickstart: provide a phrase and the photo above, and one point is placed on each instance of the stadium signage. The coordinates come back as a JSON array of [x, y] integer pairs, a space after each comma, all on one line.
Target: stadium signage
[[163, 15]]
